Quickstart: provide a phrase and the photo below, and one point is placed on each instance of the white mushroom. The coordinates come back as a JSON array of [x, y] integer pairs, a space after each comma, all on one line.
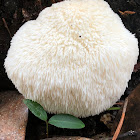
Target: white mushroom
[[76, 57]]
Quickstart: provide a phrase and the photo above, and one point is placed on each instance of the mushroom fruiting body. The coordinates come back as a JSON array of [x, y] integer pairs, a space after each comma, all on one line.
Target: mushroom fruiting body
[[76, 58]]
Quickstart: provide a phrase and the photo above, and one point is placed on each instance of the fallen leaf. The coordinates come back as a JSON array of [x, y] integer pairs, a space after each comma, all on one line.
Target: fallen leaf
[[68, 138], [106, 119], [13, 116], [132, 118]]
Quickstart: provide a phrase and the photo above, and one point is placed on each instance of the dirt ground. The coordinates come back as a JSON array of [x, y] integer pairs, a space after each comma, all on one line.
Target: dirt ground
[[14, 13]]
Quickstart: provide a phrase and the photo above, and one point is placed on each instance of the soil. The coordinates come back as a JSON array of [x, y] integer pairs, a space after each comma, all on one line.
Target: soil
[[15, 13]]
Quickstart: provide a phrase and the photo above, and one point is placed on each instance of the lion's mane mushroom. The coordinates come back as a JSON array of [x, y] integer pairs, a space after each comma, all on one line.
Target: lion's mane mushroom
[[76, 57]]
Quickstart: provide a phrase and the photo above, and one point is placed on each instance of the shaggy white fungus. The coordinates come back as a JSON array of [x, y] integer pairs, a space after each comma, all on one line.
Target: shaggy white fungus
[[76, 57]]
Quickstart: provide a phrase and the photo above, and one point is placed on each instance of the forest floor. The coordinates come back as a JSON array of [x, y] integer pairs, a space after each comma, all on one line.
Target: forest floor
[[14, 13]]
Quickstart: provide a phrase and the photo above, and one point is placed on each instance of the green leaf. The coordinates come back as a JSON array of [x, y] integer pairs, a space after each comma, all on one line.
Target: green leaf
[[66, 121], [36, 109], [114, 108]]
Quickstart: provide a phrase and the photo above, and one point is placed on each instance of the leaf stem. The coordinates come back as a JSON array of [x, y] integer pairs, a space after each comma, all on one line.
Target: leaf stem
[[47, 130]]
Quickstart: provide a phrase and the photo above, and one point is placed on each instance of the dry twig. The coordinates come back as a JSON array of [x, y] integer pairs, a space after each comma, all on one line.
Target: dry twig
[[121, 120], [126, 13], [119, 103], [5, 24]]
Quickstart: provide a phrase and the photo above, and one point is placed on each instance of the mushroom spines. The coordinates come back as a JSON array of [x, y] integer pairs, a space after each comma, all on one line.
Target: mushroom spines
[[76, 57]]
